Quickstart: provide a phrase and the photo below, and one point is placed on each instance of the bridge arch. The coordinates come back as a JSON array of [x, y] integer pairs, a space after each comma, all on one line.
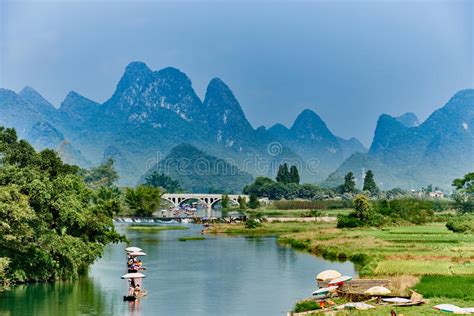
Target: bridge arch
[[207, 199]]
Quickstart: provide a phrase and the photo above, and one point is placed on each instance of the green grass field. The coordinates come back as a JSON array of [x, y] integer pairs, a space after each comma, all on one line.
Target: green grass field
[[441, 259], [300, 213], [191, 238]]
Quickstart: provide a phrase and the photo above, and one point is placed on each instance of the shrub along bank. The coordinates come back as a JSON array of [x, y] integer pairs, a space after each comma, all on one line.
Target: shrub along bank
[[52, 225]]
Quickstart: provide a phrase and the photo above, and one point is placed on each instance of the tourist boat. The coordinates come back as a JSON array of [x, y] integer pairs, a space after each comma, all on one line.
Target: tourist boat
[[339, 281], [323, 292], [133, 276]]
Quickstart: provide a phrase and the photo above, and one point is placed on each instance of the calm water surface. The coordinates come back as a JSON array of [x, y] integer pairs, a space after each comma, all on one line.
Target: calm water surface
[[216, 276]]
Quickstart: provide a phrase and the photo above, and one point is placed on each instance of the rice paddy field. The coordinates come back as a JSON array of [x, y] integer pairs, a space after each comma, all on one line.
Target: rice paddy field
[[428, 258]]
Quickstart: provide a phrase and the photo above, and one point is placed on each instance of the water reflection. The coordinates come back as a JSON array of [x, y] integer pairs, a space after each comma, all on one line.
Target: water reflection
[[60, 298], [215, 276]]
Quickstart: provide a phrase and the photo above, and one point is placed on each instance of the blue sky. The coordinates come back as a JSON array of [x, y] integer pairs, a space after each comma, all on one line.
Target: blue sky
[[349, 61]]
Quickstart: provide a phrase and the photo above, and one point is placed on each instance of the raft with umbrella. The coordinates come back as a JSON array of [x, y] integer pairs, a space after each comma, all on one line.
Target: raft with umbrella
[[133, 276]]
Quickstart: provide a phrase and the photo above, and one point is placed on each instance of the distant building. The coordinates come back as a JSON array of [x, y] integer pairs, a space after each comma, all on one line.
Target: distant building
[[436, 194]]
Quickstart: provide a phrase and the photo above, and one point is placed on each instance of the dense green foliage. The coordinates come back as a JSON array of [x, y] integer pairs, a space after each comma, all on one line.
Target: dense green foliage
[[225, 201], [369, 183], [52, 224], [385, 212], [294, 175], [466, 183], [242, 203], [143, 200], [160, 180], [266, 187], [349, 185], [311, 205], [464, 195], [306, 305], [286, 176], [461, 224], [253, 201], [252, 223], [102, 176]]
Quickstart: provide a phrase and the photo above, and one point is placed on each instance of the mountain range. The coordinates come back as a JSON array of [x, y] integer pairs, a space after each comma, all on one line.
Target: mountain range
[[151, 114]]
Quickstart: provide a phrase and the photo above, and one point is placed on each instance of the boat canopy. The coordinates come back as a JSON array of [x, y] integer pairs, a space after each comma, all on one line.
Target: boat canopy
[[133, 249], [135, 275], [137, 253]]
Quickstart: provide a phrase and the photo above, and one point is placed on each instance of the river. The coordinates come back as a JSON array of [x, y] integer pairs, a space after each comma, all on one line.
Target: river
[[216, 276]]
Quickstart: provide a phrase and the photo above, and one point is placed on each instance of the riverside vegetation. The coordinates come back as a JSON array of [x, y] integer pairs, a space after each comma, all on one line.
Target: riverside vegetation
[[55, 218], [418, 243]]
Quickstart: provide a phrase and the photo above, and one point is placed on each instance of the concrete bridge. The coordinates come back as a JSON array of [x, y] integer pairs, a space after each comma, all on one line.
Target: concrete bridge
[[207, 199]]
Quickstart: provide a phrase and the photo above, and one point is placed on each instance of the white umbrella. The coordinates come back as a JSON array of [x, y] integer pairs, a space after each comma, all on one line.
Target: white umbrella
[[378, 290], [359, 306], [133, 249], [328, 275], [396, 300], [137, 253], [135, 275]]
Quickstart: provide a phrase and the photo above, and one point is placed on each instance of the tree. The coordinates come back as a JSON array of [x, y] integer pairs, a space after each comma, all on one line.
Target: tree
[[51, 226], [157, 179], [225, 201], [259, 187], [242, 203], [143, 200], [103, 175], [369, 183], [464, 195], [428, 189], [294, 175], [108, 199], [362, 209], [283, 175], [349, 185], [465, 184], [254, 202]]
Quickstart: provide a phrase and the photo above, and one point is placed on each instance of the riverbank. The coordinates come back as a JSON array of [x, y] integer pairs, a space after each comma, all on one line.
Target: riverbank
[[406, 255]]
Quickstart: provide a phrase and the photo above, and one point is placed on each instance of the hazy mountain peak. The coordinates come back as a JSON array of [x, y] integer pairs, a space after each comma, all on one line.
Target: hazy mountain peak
[[36, 99], [387, 127], [73, 99], [8, 93], [216, 85], [408, 119], [29, 91], [279, 127], [136, 75], [79, 107], [465, 93], [225, 113], [136, 67], [171, 73], [309, 125]]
